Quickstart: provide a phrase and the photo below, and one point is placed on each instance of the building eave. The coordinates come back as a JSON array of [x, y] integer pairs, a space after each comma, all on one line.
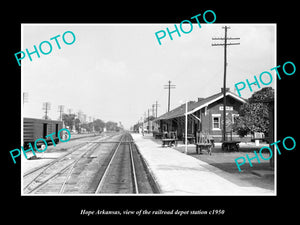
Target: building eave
[[216, 99]]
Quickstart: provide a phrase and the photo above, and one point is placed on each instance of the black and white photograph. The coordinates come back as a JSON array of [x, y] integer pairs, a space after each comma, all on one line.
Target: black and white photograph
[[120, 112], [147, 117]]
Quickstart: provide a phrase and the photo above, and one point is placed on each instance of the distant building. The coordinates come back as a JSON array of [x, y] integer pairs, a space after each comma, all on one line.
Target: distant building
[[205, 115], [149, 126]]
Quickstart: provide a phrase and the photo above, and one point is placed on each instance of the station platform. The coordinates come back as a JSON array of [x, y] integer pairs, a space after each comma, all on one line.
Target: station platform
[[179, 174]]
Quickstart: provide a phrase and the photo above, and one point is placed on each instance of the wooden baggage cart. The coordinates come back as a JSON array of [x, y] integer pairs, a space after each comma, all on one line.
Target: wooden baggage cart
[[190, 138], [204, 141], [169, 139], [230, 145]]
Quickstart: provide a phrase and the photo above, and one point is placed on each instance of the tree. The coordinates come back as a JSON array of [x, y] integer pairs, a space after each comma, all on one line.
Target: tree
[[111, 126], [68, 120], [264, 95], [254, 115], [150, 118], [77, 125], [87, 126], [99, 125]]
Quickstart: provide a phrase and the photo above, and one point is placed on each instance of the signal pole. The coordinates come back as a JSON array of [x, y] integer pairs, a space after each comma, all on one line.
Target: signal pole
[[169, 86], [225, 44]]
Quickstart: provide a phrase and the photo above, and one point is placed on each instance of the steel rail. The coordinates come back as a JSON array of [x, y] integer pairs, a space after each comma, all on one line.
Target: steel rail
[[62, 188], [48, 165], [101, 182], [39, 186], [59, 172], [75, 148], [133, 170], [109, 142]]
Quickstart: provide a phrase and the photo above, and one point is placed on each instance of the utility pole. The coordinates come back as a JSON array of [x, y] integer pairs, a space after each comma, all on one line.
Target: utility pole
[[93, 125], [153, 106], [169, 86], [79, 120], [25, 97], [156, 106], [46, 107], [148, 122], [60, 110], [225, 44]]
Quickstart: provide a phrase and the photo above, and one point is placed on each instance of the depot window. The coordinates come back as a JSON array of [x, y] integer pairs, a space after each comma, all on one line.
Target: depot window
[[216, 121], [234, 117]]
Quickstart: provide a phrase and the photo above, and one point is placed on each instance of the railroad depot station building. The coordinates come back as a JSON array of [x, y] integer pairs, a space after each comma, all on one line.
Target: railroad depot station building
[[205, 115]]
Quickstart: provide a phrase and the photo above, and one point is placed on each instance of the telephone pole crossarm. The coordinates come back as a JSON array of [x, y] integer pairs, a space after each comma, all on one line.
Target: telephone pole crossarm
[[230, 38]]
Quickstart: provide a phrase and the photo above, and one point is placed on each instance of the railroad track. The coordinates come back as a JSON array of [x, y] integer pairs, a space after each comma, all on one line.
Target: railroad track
[[110, 165], [47, 179], [126, 172], [73, 149]]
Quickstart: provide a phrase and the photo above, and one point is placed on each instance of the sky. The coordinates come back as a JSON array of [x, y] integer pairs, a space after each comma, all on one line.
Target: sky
[[116, 72]]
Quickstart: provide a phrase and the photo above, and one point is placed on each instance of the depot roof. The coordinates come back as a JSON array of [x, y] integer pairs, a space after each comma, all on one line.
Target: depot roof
[[195, 106]]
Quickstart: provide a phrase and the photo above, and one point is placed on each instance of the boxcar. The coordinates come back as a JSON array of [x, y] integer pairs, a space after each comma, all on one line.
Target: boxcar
[[40, 128]]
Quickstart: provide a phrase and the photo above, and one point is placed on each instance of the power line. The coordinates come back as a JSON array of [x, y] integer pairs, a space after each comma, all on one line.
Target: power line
[[169, 87], [225, 44]]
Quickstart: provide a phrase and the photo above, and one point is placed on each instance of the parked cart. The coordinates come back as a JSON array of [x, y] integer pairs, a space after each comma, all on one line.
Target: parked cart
[[190, 138], [169, 139], [157, 134], [230, 144]]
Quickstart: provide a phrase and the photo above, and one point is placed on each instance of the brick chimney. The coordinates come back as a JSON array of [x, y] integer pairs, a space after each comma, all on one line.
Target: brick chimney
[[227, 89], [200, 99]]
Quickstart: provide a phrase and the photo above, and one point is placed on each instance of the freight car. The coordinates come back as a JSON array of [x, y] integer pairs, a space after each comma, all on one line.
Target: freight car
[[40, 128]]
